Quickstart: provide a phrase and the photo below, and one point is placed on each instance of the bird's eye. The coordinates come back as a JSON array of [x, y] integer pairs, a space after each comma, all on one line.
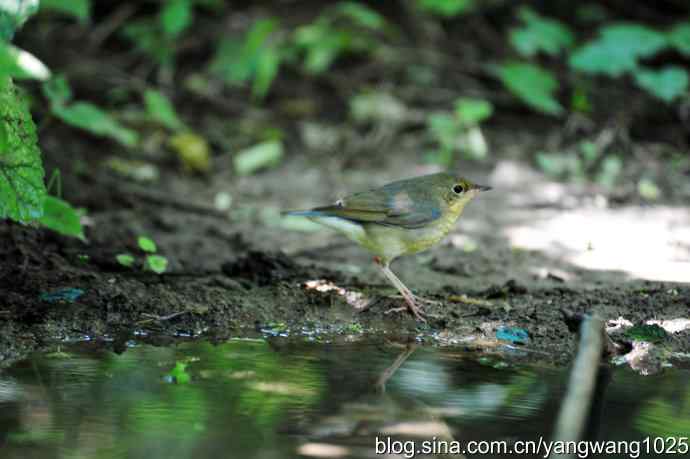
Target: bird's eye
[[458, 189]]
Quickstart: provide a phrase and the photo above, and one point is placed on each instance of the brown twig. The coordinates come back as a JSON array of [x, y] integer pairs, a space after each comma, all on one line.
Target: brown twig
[[583, 376]]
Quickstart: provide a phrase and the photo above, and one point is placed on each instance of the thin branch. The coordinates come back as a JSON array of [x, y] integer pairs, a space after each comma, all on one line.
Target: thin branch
[[583, 376]]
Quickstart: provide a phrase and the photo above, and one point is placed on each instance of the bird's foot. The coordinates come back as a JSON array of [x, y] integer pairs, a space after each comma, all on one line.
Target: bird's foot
[[416, 311]]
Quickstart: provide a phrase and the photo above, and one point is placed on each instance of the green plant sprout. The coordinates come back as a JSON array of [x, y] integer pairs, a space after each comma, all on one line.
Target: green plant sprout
[[459, 131], [152, 262]]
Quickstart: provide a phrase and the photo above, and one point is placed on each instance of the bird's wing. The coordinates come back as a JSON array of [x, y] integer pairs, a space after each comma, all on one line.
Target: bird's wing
[[390, 206]]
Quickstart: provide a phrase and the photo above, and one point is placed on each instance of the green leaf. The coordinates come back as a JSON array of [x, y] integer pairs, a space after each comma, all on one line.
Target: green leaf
[[148, 37], [254, 57], [267, 65], [602, 57], [175, 17], [531, 83], [60, 216], [161, 110], [4, 138], [91, 118], [473, 111], [156, 263], [57, 90], [262, 155], [540, 34], [13, 14], [679, 38], [651, 333], [22, 191], [636, 38], [361, 15], [667, 84], [18, 63], [80, 9], [617, 49], [230, 62], [444, 128], [146, 244], [446, 8], [324, 50], [125, 260]]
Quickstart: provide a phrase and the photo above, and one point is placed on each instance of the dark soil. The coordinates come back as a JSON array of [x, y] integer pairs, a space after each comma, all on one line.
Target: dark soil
[[534, 253], [230, 276]]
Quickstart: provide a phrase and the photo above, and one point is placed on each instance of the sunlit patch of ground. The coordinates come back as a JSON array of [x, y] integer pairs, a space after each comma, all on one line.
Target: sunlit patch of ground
[[645, 242]]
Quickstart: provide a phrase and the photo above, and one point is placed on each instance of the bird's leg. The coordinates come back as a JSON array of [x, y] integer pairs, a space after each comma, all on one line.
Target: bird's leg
[[402, 288]]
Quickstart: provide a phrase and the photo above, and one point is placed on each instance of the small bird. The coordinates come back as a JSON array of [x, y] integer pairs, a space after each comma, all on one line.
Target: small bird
[[403, 217]]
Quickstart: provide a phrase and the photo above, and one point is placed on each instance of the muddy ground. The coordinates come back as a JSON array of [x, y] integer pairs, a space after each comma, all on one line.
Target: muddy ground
[[245, 272], [534, 253]]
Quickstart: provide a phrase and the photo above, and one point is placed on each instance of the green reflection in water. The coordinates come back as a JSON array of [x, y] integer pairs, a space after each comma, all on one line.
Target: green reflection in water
[[251, 398]]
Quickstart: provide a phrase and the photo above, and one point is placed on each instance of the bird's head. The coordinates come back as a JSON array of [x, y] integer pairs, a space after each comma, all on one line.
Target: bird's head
[[457, 191]]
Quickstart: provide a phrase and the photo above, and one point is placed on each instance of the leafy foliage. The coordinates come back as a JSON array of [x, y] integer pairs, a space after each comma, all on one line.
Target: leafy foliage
[[667, 84], [472, 111], [85, 115], [17, 63], [157, 36], [60, 216], [651, 333], [161, 110], [255, 58], [446, 8], [679, 38], [540, 34], [13, 14], [80, 9], [585, 160], [152, 262], [125, 260], [533, 84], [146, 244], [156, 263], [22, 191], [459, 131], [617, 49], [175, 17], [348, 27], [90, 117]]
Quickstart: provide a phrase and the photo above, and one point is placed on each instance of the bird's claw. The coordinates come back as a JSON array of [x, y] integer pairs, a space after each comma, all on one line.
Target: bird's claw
[[417, 312]]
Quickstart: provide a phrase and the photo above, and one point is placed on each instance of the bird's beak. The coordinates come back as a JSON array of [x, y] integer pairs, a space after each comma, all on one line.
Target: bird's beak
[[482, 188]]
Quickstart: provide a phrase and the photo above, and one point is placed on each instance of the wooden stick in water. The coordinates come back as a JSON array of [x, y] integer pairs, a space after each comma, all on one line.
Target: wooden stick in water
[[583, 377]]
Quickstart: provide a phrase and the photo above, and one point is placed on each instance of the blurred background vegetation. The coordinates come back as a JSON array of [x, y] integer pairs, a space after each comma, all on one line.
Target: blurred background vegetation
[[603, 85]]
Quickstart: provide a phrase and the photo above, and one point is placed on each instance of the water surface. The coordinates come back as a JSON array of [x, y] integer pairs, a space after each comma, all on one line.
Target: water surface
[[275, 399]]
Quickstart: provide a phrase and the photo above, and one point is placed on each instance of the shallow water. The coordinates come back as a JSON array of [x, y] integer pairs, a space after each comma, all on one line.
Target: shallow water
[[275, 399]]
